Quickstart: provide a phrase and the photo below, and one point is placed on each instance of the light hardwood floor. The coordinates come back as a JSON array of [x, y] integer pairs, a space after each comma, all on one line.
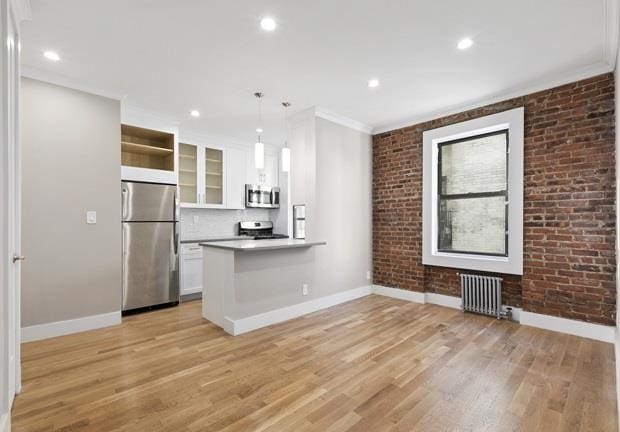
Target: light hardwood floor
[[373, 364]]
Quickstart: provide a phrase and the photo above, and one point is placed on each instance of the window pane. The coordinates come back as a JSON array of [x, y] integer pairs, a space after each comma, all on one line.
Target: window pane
[[475, 225], [475, 165]]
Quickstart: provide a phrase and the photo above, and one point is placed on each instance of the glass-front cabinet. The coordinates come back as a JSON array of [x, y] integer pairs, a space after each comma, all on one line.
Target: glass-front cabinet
[[214, 175], [188, 170], [201, 176]]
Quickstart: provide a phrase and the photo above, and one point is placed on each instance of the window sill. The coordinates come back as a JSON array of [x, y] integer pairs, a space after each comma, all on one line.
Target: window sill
[[488, 263]]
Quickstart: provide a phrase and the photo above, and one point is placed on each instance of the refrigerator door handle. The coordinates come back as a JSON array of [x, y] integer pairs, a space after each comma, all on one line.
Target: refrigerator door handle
[[175, 238], [124, 198], [175, 208]]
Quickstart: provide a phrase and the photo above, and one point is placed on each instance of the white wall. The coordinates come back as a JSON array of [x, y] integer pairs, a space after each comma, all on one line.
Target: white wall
[[71, 164], [331, 172], [343, 207]]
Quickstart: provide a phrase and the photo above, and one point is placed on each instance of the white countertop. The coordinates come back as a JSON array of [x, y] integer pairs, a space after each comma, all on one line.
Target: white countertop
[[262, 245], [215, 238]]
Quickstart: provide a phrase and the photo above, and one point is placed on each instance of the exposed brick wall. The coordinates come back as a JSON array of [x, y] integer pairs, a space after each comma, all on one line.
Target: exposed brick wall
[[569, 209]]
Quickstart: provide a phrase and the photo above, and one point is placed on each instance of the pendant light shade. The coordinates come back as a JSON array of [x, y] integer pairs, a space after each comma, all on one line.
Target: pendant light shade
[[259, 147], [259, 155], [286, 159], [286, 152]]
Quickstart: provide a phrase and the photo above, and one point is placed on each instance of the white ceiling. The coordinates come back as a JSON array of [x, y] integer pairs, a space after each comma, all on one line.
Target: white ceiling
[[173, 56]]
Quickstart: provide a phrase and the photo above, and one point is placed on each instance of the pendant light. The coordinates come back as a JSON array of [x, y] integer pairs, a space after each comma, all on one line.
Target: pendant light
[[286, 152], [259, 147]]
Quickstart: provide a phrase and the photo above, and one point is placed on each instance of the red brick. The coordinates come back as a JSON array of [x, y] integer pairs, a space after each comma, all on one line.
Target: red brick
[[569, 204]]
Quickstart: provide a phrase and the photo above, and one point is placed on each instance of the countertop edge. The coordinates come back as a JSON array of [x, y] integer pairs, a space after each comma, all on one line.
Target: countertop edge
[[215, 239], [264, 248]]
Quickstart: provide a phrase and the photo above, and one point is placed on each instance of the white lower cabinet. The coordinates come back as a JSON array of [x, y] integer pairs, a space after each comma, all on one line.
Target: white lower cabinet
[[191, 268]]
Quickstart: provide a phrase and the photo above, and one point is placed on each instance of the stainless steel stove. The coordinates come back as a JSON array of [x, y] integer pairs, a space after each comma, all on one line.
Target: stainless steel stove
[[260, 230]]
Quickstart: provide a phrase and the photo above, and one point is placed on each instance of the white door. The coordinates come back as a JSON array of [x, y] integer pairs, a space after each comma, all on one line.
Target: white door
[[11, 190], [14, 207]]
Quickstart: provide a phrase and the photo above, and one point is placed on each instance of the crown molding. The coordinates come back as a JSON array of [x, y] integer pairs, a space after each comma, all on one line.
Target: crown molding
[[525, 89], [60, 80], [21, 9], [342, 120]]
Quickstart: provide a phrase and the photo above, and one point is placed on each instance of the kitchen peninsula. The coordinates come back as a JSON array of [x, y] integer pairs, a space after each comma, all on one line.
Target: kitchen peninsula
[[245, 282]]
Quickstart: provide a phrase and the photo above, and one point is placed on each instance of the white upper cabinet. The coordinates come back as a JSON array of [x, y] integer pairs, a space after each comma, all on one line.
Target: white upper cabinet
[[267, 176], [215, 177], [236, 178], [188, 174], [202, 176]]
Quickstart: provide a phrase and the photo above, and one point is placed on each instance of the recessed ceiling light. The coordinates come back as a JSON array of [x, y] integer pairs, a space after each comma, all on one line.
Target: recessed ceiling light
[[268, 24], [465, 43], [194, 113], [373, 82], [51, 55]]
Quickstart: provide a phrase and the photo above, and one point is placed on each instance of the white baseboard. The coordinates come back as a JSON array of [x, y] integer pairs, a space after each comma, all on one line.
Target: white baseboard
[[413, 296], [418, 297], [61, 328], [5, 423], [573, 327], [443, 300], [547, 322], [254, 322]]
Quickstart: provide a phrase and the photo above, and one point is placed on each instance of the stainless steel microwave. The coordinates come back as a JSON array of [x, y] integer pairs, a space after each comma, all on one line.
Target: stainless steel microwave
[[262, 196]]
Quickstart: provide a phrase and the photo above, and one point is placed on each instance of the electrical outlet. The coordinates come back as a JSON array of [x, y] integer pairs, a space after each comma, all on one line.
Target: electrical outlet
[[368, 275], [304, 289], [196, 220], [91, 217]]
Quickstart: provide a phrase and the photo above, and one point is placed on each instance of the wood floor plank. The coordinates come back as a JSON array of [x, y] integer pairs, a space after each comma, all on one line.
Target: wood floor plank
[[373, 364]]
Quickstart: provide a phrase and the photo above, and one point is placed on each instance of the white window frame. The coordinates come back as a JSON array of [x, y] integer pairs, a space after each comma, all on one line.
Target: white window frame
[[513, 121]]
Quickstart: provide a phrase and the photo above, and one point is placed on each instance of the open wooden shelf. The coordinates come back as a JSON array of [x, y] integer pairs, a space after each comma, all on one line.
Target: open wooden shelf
[[130, 147], [146, 148], [213, 173]]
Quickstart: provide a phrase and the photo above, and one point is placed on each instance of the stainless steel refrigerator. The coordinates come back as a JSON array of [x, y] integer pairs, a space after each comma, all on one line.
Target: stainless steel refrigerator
[[150, 245]]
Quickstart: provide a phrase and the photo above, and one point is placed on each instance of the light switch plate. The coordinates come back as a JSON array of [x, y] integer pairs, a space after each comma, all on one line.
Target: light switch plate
[[196, 220], [91, 217]]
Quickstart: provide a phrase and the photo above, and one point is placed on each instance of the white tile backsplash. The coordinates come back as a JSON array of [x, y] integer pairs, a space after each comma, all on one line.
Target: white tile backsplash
[[202, 223]]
